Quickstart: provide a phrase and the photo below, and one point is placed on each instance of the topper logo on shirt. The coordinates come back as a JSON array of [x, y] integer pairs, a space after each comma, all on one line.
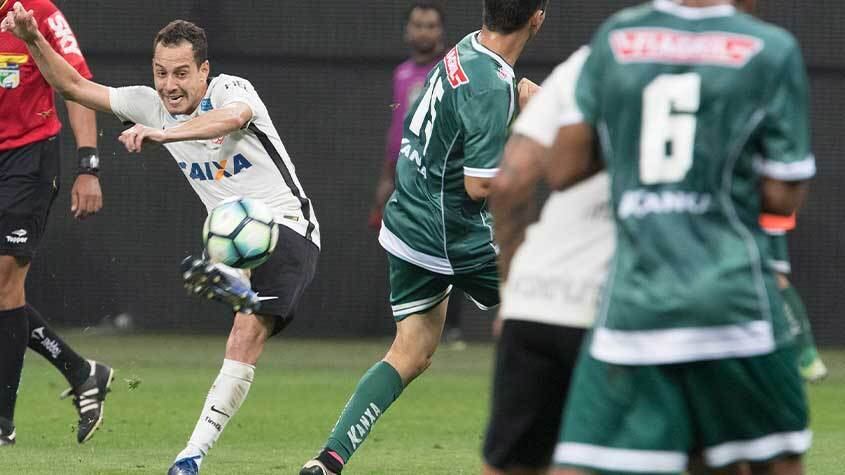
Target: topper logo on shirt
[[454, 70], [64, 35], [216, 171]]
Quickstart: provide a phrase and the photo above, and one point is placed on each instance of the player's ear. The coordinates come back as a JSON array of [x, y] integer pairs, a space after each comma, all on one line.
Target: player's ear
[[205, 69], [537, 20]]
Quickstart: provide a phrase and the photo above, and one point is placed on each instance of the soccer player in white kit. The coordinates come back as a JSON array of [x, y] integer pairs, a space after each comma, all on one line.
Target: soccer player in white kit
[[221, 134]]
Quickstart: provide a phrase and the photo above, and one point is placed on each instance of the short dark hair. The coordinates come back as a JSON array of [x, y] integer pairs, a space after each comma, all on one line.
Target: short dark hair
[[507, 16], [426, 5], [178, 31]]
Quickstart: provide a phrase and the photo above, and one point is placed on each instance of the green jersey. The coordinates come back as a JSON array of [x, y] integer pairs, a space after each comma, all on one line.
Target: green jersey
[[692, 107], [457, 128]]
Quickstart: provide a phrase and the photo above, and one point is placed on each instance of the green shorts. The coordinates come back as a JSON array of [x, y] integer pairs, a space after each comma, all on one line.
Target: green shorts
[[416, 290], [649, 419], [779, 254]]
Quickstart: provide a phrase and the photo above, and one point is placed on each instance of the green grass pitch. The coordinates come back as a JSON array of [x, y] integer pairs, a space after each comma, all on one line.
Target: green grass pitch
[[435, 428]]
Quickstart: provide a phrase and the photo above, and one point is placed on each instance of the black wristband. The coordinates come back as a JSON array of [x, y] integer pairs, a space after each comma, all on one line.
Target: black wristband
[[89, 161]]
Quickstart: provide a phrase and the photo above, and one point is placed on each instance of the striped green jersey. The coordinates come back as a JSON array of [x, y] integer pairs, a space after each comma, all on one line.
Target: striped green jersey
[[457, 128]]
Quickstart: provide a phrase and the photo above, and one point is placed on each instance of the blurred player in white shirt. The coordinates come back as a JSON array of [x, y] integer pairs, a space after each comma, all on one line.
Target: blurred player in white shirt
[[223, 139], [552, 276]]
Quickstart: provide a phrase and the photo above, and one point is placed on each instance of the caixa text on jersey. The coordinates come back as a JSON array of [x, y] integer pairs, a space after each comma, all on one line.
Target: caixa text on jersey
[[215, 171]]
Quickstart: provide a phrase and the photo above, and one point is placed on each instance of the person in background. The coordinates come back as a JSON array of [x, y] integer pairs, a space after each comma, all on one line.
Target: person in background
[[425, 34], [30, 164]]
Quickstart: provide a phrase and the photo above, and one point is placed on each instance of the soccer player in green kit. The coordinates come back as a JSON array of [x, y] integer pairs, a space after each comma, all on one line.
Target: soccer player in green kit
[[437, 229], [701, 114]]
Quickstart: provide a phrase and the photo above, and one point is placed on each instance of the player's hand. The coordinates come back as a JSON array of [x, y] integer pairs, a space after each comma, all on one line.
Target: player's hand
[[133, 139], [86, 197], [526, 90], [20, 23]]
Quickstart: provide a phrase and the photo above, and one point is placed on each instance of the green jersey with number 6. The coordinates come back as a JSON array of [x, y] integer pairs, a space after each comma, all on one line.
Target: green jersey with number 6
[[456, 129], [692, 108]]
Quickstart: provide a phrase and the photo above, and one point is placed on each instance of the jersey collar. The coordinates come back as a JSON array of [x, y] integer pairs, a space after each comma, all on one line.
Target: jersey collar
[[693, 13], [483, 49]]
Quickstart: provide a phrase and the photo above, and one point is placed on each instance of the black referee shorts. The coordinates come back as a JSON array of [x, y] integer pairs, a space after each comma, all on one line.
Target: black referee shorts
[[534, 365], [281, 281], [29, 182]]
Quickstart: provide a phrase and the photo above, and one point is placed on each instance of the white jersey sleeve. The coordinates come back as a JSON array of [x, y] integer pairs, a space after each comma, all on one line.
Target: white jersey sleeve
[[136, 104], [554, 106], [228, 90], [557, 274]]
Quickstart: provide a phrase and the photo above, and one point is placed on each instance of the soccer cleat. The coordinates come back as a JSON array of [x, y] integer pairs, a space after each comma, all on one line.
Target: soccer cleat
[[187, 466], [315, 467], [811, 366], [7, 434], [89, 399], [221, 283]]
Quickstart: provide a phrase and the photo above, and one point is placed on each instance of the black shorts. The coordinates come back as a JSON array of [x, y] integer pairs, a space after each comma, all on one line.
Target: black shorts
[[29, 182], [534, 364], [282, 280]]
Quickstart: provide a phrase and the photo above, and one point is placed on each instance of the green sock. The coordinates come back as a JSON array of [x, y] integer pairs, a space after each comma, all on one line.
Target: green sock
[[376, 391], [796, 312]]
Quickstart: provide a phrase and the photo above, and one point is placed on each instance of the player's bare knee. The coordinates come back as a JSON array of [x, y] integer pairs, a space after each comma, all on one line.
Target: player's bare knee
[[567, 471], [12, 279], [784, 466]]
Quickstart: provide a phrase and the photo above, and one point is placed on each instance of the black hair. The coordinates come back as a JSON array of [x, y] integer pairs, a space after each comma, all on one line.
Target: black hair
[[507, 16], [178, 31], [426, 5]]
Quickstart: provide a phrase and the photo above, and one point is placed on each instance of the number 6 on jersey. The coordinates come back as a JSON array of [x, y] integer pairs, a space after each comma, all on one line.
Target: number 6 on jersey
[[667, 139]]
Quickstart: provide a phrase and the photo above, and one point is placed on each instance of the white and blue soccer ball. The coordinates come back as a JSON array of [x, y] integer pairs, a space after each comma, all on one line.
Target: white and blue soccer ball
[[240, 232]]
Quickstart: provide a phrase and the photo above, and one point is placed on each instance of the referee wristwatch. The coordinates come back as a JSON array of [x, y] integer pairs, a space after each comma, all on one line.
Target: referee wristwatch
[[89, 161]]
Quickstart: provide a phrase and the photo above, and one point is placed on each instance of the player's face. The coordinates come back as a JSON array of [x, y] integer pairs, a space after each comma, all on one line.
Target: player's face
[[424, 31], [180, 82]]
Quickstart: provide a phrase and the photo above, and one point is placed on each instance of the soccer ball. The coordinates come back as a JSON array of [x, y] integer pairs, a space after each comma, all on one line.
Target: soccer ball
[[240, 232]]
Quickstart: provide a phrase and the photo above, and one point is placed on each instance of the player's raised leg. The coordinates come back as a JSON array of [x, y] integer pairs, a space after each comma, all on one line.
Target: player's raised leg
[[13, 335], [417, 338], [281, 280], [227, 394]]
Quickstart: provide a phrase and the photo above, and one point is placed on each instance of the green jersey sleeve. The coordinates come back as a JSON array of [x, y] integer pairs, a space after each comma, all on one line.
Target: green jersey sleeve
[[588, 86], [784, 140], [485, 117]]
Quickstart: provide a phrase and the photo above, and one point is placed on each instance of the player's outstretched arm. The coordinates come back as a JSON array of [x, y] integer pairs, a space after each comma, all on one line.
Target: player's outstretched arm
[[61, 75], [211, 125]]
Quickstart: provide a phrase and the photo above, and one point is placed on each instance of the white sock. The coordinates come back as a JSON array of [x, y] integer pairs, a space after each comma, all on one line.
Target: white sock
[[224, 399]]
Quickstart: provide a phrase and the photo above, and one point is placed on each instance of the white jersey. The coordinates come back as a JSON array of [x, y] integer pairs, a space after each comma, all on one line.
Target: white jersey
[[557, 274], [251, 162]]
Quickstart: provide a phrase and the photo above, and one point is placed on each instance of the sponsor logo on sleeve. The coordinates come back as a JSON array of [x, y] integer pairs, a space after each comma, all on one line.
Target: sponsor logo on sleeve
[[65, 38], [454, 71], [659, 45]]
